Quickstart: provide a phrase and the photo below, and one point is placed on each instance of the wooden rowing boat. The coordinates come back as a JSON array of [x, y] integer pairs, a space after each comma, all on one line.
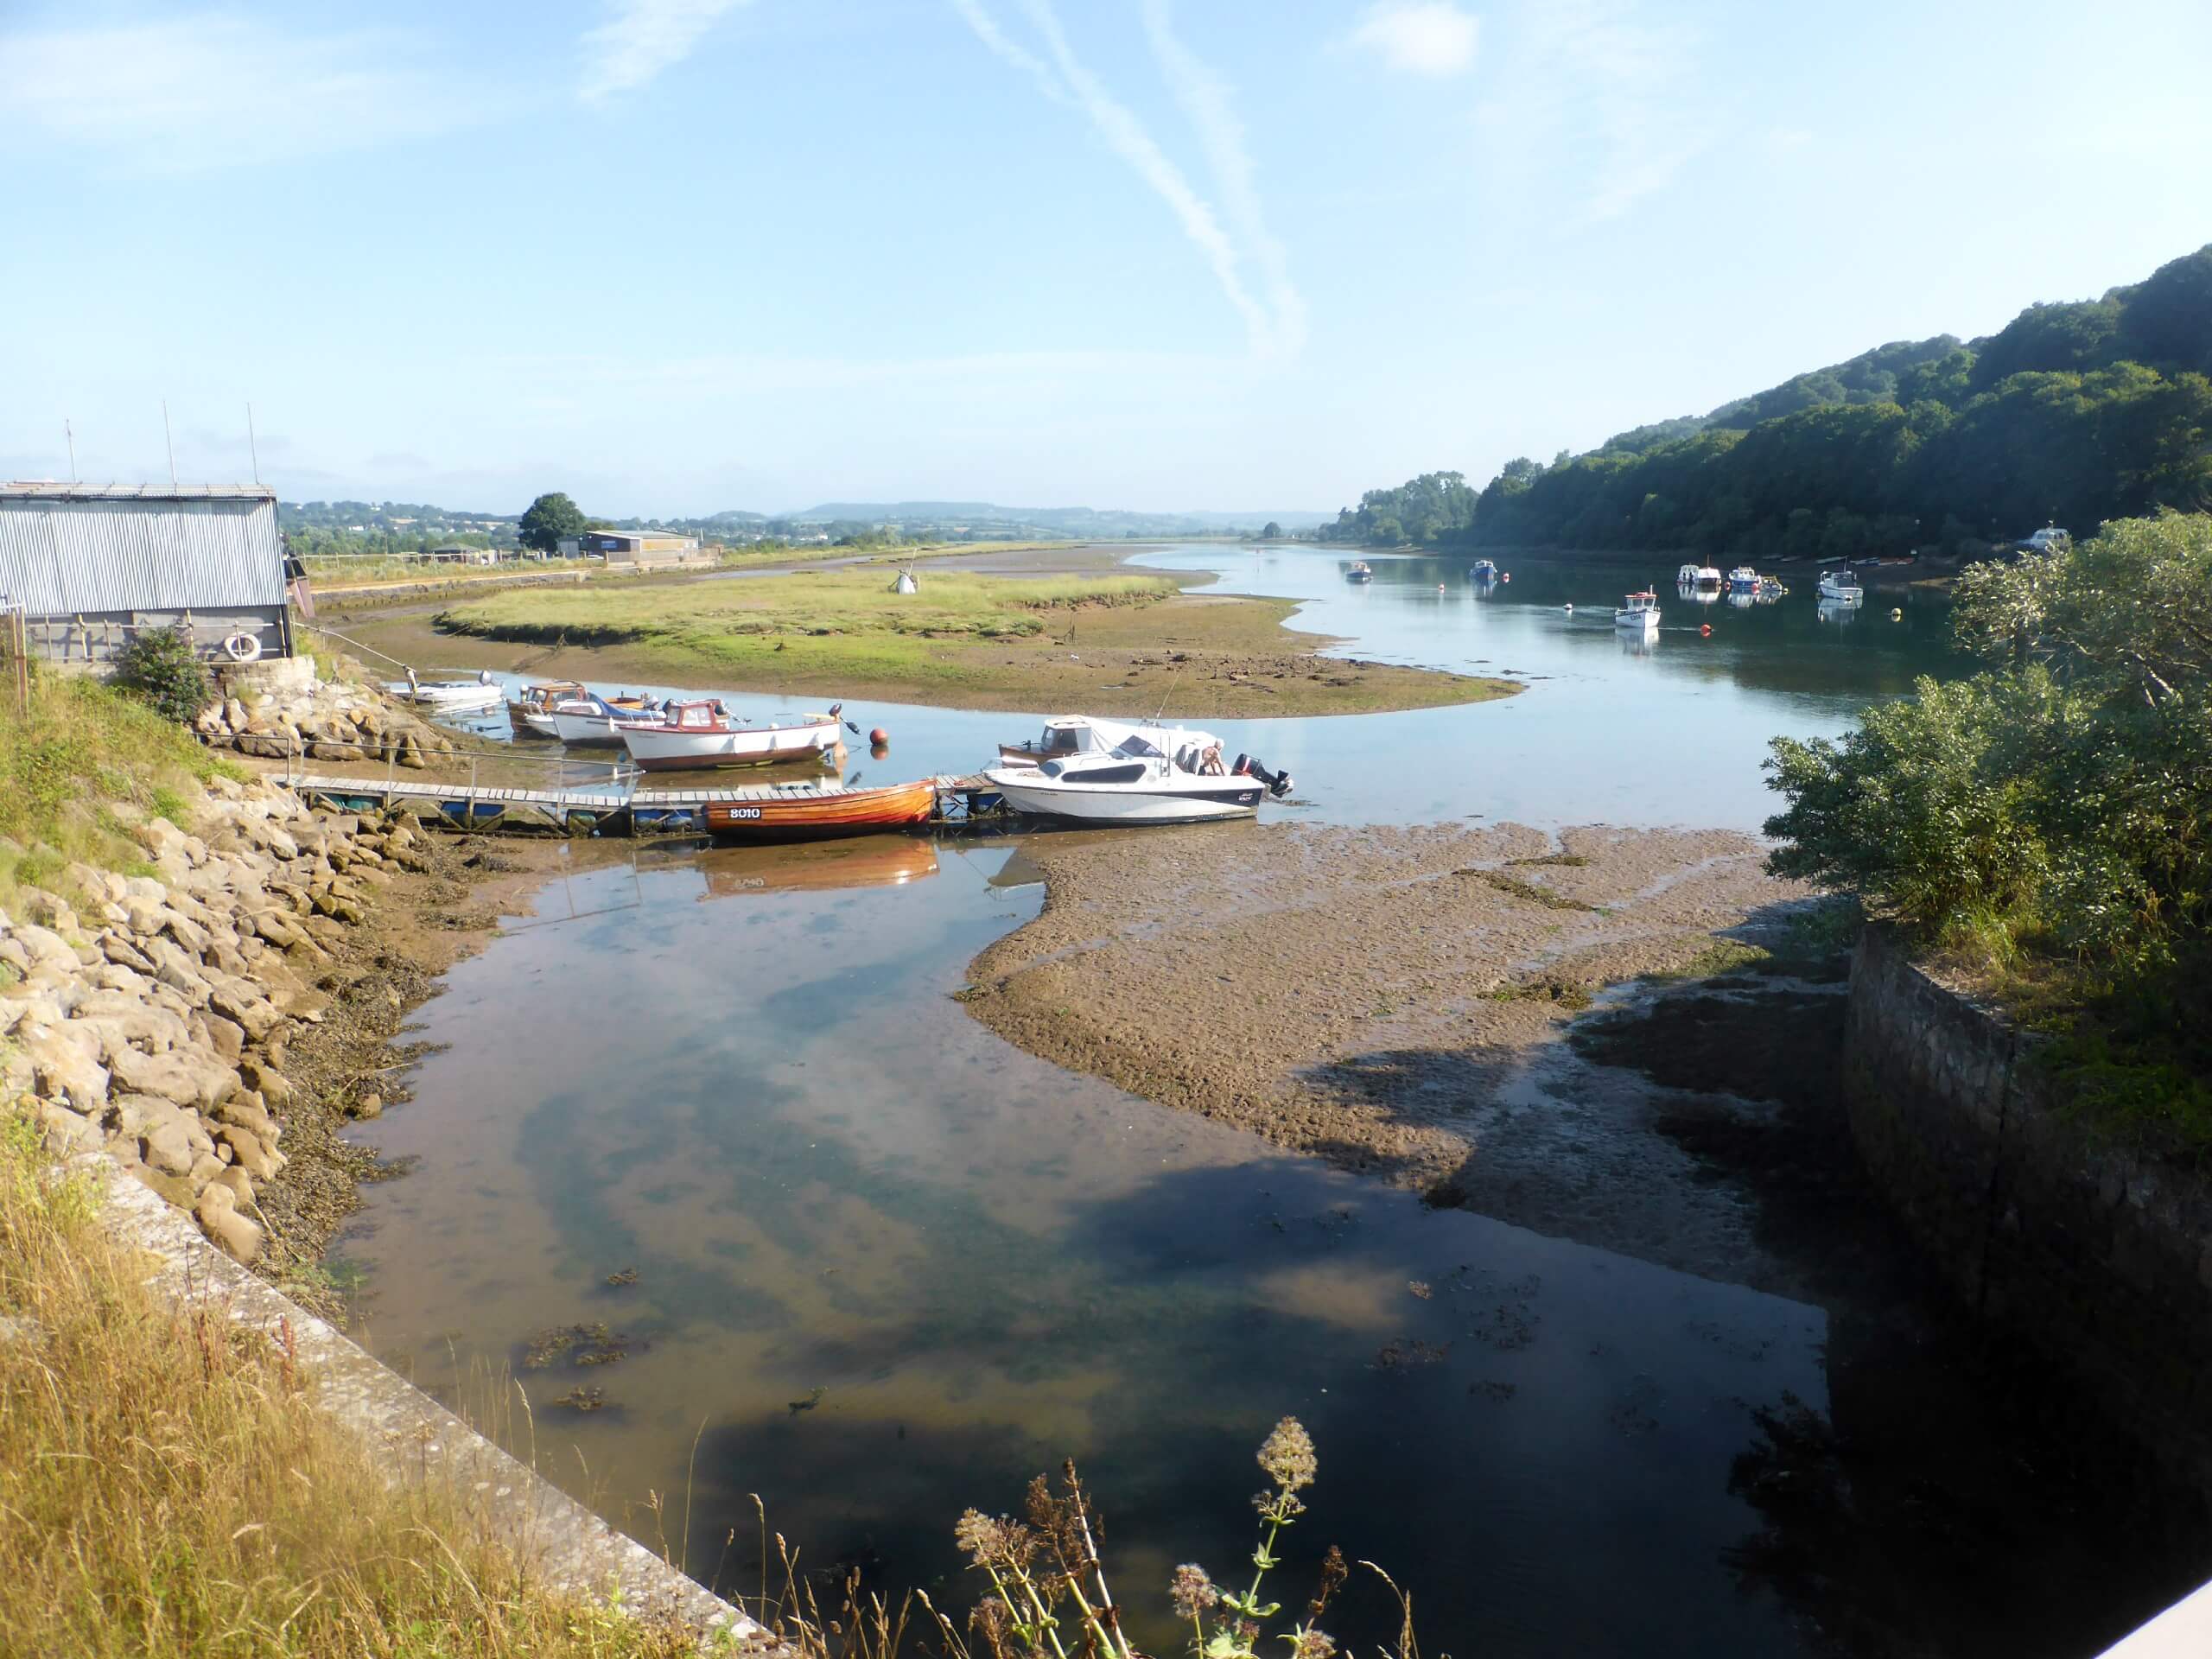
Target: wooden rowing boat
[[811, 813]]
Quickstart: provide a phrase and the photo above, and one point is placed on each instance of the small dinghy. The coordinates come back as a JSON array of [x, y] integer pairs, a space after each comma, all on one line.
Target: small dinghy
[[699, 735], [1141, 775], [477, 696]]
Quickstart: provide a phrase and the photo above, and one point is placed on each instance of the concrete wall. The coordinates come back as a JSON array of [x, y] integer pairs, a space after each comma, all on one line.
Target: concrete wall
[[2100, 1258]]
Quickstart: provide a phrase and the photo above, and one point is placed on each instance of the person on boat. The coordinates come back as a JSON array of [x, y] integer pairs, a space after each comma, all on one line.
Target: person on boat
[[1210, 762]]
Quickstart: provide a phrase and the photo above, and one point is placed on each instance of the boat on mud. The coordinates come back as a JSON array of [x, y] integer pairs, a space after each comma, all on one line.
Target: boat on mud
[[476, 696], [820, 810], [1140, 775], [702, 735], [531, 713]]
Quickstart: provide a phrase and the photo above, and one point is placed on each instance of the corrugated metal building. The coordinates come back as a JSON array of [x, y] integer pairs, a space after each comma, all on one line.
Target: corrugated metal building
[[91, 565]]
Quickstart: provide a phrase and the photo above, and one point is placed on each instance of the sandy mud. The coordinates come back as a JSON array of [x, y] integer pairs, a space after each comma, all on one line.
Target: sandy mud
[[1389, 998]]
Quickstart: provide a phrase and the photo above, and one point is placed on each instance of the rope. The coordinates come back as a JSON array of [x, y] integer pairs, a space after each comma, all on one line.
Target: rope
[[317, 627]]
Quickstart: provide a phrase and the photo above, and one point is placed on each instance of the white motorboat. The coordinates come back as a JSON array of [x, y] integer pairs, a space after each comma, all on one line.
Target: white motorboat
[[532, 712], [1067, 735], [1707, 576], [473, 697], [1686, 577], [1743, 579], [1482, 570], [702, 735], [595, 721], [1842, 586], [1140, 774], [1638, 613]]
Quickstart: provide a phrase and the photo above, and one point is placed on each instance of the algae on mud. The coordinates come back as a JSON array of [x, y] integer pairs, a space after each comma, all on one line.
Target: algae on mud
[[1116, 644]]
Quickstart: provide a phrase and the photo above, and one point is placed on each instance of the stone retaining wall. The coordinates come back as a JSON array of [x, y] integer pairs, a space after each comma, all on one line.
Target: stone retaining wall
[[2100, 1258]]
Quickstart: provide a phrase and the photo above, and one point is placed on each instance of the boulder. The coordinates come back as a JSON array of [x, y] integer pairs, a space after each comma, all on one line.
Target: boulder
[[47, 948], [190, 1077], [226, 1036], [217, 1212], [236, 1000], [165, 1146], [174, 1188], [64, 1069], [265, 1080], [249, 1151]]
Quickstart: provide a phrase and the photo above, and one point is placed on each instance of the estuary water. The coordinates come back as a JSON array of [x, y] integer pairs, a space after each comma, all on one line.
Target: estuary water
[[886, 1266]]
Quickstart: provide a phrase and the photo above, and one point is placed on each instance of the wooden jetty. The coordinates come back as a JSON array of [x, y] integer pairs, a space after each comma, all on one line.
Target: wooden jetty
[[610, 809]]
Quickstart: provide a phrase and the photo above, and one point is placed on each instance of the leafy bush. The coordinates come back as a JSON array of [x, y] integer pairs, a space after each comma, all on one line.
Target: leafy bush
[[160, 666]]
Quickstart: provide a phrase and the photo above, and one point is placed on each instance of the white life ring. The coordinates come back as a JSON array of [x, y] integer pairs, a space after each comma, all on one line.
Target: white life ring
[[243, 647]]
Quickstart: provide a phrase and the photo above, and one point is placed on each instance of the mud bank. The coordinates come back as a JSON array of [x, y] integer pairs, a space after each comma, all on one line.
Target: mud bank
[[1384, 998]]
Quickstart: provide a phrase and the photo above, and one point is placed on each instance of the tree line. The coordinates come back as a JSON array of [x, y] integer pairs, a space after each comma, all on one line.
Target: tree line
[[2074, 413]]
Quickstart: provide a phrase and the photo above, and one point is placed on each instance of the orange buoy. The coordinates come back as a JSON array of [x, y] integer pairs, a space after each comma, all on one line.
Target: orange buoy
[[878, 738], [1705, 630]]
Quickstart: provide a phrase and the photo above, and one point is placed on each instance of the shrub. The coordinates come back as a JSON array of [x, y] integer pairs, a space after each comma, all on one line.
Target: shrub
[[160, 666]]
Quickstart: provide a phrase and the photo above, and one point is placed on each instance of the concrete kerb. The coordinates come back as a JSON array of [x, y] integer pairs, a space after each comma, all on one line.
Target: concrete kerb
[[558, 1538]]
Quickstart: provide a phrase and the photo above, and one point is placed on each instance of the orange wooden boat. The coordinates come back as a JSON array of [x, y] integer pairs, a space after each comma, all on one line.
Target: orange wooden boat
[[821, 812]]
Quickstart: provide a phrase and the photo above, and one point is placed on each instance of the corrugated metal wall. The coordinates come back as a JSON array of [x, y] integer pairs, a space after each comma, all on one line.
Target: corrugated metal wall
[[60, 558]]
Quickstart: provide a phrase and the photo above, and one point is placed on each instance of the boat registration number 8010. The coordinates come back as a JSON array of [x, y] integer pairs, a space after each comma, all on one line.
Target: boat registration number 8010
[[741, 811]]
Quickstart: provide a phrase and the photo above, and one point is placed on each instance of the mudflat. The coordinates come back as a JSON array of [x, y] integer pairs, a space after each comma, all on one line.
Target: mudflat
[[1377, 996]]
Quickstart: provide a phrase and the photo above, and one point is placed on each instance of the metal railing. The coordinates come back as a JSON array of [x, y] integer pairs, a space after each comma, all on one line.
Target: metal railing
[[619, 777]]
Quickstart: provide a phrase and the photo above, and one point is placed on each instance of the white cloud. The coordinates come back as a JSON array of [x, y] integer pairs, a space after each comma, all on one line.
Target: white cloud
[[1270, 328], [218, 90], [1422, 37], [640, 38]]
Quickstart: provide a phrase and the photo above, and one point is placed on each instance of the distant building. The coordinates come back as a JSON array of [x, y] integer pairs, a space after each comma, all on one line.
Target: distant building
[[454, 553], [639, 547], [91, 566]]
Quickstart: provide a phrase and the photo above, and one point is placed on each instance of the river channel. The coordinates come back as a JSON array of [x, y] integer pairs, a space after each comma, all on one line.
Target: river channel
[[886, 1266]]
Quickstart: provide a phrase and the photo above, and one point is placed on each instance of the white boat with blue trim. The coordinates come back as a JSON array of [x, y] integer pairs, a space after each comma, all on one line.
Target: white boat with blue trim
[[1140, 775]]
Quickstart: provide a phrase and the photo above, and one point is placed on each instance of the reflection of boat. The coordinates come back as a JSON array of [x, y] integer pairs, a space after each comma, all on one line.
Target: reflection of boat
[[1482, 570], [700, 734], [1359, 572], [449, 696], [1690, 592], [1841, 586], [1838, 611], [875, 861], [1638, 613], [1148, 774], [819, 811], [1070, 734], [1743, 601]]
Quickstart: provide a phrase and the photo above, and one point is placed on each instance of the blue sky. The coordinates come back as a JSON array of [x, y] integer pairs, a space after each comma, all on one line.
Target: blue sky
[[675, 256]]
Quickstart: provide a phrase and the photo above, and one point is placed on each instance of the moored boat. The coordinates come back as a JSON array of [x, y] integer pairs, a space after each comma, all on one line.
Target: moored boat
[[821, 811], [1707, 576], [1069, 734], [1841, 586], [1482, 570], [1360, 571], [1141, 775], [700, 734], [477, 696], [1638, 612], [1743, 579], [593, 721], [532, 712]]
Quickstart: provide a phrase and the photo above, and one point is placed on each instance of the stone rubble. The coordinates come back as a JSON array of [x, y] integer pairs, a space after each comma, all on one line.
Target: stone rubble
[[152, 1022], [330, 720]]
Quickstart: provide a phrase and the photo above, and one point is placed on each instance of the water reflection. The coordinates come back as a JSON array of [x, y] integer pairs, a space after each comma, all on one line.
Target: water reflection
[[894, 1267]]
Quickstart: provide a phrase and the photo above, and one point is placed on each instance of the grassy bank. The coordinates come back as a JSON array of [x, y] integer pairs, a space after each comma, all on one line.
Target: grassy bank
[[79, 746], [167, 1484], [1107, 644]]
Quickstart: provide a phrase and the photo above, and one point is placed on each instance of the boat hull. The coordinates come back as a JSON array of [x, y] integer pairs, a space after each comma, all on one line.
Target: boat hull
[[823, 816], [669, 749], [1040, 797]]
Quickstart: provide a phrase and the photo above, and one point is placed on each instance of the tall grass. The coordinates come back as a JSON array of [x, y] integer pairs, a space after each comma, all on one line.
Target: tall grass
[[168, 1486], [81, 746]]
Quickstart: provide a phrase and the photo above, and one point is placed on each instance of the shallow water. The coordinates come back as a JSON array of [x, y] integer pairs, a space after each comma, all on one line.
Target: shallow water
[[888, 1267]]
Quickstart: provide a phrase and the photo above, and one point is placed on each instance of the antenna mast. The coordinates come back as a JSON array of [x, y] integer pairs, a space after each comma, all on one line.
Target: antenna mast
[[252, 448], [170, 440], [69, 435]]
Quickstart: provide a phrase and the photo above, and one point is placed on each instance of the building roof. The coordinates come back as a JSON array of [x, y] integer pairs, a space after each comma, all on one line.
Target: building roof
[[74, 549]]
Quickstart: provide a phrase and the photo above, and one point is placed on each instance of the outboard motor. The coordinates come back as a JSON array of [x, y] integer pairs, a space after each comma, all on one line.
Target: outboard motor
[[1278, 782]]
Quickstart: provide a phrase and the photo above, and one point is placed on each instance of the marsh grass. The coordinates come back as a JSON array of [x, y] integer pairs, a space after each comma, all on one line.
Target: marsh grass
[[168, 1486], [80, 746]]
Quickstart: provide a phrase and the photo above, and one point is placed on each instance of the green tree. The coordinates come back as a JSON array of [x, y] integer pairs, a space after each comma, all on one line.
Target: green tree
[[160, 666], [549, 519], [1271, 532]]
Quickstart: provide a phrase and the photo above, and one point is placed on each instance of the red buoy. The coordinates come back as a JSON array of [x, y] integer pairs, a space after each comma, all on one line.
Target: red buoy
[[1705, 630], [878, 738]]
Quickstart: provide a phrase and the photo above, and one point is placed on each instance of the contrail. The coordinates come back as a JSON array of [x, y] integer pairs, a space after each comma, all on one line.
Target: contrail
[[1066, 80]]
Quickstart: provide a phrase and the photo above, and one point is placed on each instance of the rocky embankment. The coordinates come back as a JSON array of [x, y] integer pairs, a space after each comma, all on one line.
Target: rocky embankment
[[150, 1018], [330, 720]]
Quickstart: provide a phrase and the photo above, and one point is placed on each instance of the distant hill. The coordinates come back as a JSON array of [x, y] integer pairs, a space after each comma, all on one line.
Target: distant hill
[[1065, 521], [2072, 413]]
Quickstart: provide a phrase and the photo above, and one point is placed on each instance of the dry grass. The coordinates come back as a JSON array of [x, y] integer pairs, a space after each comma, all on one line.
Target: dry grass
[[167, 1486]]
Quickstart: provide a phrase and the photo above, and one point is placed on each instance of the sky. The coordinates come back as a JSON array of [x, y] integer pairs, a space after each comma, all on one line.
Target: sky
[[679, 256]]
